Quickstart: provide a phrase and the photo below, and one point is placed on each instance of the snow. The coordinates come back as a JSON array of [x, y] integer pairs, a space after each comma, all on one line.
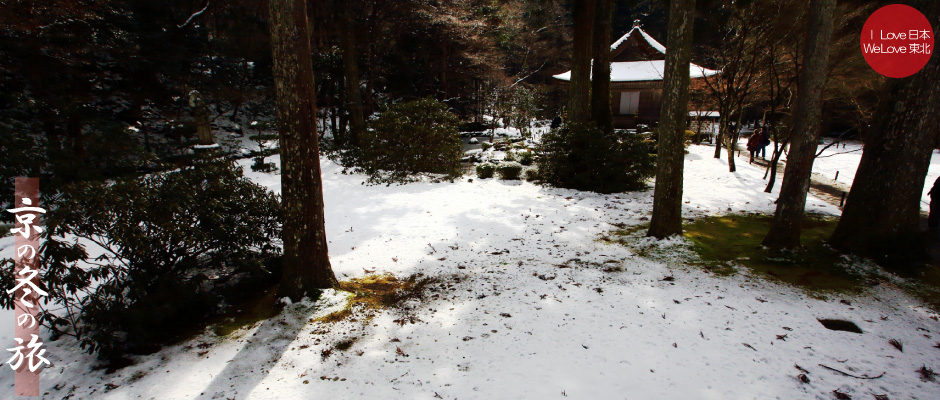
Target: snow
[[638, 71], [530, 311], [844, 159], [635, 71], [509, 132], [709, 188], [649, 39]]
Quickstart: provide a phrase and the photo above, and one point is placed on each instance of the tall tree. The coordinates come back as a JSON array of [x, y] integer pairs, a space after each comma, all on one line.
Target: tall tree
[[886, 192], [785, 228], [667, 197], [780, 78], [738, 55], [852, 86], [357, 124], [781, 72], [306, 263], [600, 70], [583, 12], [203, 127]]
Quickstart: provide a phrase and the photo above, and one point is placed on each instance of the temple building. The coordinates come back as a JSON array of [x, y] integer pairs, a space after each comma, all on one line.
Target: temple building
[[636, 78]]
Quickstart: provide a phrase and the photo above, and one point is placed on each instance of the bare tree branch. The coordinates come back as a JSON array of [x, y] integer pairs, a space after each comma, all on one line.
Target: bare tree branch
[[196, 14]]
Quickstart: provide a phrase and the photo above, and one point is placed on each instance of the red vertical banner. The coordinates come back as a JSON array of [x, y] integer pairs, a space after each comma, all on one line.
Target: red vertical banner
[[27, 358]]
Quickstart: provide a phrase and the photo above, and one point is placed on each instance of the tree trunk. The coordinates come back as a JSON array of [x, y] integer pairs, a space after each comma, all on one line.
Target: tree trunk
[[722, 130], [341, 136], [733, 140], [886, 192], [776, 88], [774, 162], [579, 88], [235, 108], [785, 228], [600, 81], [74, 129], [718, 139], [667, 198], [445, 53], [334, 116], [306, 262], [201, 113], [357, 124]]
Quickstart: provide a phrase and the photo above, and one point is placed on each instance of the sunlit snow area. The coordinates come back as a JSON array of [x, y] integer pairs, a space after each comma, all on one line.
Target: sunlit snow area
[[528, 302]]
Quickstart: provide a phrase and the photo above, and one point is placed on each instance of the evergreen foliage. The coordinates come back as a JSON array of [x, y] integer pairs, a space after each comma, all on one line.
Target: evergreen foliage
[[509, 170], [526, 158], [410, 140], [532, 175], [485, 170], [172, 247], [582, 157]]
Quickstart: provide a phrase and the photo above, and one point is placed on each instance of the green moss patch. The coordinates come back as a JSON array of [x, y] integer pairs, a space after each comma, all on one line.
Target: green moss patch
[[379, 292], [726, 241], [725, 244]]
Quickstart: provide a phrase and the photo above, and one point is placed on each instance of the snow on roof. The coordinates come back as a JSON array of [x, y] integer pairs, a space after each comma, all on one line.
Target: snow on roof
[[638, 71], [649, 39], [706, 114]]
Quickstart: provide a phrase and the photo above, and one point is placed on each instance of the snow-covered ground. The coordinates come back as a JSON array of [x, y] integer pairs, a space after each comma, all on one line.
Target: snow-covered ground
[[531, 306], [844, 159]]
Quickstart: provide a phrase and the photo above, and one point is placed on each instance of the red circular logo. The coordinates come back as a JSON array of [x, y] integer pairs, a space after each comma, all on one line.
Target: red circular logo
[[897, 41]]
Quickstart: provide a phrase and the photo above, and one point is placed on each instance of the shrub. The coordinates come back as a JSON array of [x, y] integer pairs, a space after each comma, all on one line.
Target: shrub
[[583, 157], [472, 158], [532, 175], [526, 158], [172, 246], [525, 102], [409, 140], [509, 170], [689, 137], [486, 146], [263, 137], [485, 170], [510, 156], [259, 165]]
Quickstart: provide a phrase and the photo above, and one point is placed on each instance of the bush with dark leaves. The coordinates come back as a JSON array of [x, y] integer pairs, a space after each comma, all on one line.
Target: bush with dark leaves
[[131, 264], [409, 140], [509, 170], [582, 157]]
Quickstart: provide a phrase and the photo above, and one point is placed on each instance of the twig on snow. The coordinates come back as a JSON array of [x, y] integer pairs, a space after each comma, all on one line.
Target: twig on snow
[[853, 376]]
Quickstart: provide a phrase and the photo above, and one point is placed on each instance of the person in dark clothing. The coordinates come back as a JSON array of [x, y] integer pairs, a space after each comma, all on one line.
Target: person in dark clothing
[[753, 144], [764, 142], [933, 219]]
